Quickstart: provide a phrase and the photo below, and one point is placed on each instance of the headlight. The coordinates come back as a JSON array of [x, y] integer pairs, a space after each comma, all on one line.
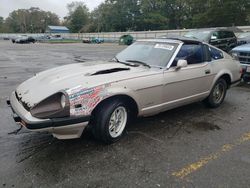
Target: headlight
[[55, 106], [63, 101]]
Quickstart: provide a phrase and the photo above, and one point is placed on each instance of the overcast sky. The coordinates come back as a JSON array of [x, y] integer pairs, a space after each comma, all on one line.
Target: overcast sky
[[56, 6]]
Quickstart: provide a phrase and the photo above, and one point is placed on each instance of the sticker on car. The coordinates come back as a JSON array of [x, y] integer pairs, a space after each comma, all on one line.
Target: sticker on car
[[164, 46]]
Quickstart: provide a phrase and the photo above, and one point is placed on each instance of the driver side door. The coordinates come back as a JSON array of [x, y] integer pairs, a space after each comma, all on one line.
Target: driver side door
[[190, 83]]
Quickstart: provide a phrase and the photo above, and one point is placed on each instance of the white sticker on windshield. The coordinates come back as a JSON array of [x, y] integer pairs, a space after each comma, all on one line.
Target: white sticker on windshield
[[164, 46]]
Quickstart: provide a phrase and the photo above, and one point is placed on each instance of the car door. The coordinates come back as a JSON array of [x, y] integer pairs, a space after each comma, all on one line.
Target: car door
[[191, 83], [218, 39], [231, 40]]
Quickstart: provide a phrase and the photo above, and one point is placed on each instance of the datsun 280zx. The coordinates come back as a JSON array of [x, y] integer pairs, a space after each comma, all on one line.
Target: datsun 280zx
[[148, 77]]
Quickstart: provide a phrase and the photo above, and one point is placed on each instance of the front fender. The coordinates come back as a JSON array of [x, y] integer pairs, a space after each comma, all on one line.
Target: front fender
[[83, 101]]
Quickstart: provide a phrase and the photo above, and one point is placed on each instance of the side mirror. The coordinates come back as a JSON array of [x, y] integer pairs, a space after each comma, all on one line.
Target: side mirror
[[181, 63]]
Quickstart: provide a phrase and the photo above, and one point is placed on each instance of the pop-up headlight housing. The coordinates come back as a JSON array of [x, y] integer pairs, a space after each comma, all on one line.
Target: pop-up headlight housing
[[55, 106]]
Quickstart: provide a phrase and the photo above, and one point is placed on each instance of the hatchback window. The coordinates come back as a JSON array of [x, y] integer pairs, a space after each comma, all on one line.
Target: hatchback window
[[215, 54]]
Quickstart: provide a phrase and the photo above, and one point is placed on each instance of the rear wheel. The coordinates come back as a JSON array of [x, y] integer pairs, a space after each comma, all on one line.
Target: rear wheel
[[110, 120], [217, 95]]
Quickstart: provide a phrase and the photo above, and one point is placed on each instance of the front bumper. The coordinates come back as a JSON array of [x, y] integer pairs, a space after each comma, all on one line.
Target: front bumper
[[246, 72], [62, 128]]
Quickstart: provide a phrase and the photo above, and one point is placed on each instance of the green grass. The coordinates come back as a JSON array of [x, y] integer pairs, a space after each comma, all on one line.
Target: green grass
[[63, 41]]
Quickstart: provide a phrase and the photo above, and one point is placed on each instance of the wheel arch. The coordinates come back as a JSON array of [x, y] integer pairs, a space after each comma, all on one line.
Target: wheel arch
[[226, 75], [134, 107], [228, 79]]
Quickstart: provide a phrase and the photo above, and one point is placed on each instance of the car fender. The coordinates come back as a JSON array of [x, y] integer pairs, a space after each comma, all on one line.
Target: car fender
[[83, 101], [121, 91], [219, 75]]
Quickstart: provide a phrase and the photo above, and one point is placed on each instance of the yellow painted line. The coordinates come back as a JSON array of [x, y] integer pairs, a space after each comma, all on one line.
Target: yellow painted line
[[182, 173]]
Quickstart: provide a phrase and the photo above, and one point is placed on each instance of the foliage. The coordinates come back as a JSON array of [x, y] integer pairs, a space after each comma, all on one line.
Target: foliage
[[123, 15], [31, 20], [78, 16], [134, 15]]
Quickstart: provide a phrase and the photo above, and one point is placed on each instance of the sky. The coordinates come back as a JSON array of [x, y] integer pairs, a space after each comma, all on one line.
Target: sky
[[57, 6]]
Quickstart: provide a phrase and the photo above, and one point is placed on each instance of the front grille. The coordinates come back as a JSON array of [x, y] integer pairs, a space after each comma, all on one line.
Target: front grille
[[25, 105], [244, 57]]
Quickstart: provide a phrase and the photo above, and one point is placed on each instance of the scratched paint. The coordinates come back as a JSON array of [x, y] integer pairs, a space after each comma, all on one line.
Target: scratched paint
[[84, 100], [189, 169]]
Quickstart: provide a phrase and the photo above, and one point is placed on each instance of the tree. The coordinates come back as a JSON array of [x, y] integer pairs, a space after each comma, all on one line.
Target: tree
[[2, 26], [217, 13], [78, 16], [31, 20], [153, 15]]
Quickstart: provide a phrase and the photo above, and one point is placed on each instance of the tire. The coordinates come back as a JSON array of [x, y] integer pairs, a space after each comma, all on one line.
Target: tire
[[106, 126], [217, 95]]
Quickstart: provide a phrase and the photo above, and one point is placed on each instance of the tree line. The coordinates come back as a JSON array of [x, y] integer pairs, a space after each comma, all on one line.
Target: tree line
[[133, 15]]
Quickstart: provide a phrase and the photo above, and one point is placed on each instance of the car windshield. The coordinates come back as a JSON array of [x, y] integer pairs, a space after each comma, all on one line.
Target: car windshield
[[154, 54], [201, 35]]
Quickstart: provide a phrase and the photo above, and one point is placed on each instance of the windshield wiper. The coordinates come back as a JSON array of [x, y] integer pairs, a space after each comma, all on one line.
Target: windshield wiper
[[139, 62], [128, 64]]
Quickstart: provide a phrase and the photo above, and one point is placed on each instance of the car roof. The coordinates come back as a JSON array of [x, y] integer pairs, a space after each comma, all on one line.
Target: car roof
[[213, 29], [175, 39], [185, 39]]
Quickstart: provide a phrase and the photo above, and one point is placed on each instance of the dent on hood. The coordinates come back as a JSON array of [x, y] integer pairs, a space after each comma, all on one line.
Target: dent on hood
[[84, 100]]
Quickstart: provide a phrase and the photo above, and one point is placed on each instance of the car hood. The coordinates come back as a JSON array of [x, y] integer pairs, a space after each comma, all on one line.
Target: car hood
[[86, 75], [245, 47]]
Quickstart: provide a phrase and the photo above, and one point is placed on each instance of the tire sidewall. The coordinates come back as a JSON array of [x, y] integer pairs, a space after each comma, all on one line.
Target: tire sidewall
[[211, 101], [103, 115], [111, 111]]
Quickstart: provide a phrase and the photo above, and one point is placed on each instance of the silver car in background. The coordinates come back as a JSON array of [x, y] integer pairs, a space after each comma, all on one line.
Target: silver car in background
[[242, 54], [148, 77]]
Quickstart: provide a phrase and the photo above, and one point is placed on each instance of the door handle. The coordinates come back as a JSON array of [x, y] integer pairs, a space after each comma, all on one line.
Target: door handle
[[207, 71]]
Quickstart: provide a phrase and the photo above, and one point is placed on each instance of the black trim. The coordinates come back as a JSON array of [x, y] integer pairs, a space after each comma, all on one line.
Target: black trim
[[58, 122], [8, 102], [52, 123], [235, 82]]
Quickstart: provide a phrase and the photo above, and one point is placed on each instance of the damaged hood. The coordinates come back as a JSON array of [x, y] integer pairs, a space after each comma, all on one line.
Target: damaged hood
[[86, 75]]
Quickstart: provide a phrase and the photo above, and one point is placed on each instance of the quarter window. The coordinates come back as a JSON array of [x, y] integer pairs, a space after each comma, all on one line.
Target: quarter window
[[215, 54]]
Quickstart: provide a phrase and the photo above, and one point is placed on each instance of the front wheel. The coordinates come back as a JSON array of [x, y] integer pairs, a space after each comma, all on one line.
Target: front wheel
[[217, 95], [110, 120]]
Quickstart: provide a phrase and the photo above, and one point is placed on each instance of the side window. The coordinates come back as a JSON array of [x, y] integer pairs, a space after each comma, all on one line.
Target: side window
[[230, 34], [222, 34], [215, 35], [215, 54], [193, 53]]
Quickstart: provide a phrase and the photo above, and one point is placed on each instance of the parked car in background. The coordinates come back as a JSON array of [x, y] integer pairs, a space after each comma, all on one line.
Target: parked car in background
[[221, 38], [244, 38], [242, 53], [93, 40], [86, 40], [97, 40], [24, 40], [148, 77], [54, 37]]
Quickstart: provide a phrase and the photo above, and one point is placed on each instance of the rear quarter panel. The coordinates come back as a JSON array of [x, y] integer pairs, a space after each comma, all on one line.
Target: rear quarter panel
[[228, 66]]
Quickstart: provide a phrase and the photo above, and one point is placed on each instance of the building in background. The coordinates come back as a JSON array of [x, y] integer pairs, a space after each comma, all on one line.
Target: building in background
[[57, 29]]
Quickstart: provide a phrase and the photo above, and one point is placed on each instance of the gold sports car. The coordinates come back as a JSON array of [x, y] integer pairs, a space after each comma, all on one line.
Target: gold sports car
[[148, 77]]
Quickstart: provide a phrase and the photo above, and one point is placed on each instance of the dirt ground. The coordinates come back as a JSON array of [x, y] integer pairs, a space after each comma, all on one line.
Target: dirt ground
[[191, 146]]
